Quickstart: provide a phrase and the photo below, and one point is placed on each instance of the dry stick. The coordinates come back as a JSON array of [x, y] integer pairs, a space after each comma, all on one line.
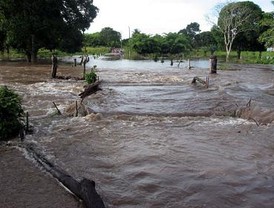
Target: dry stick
[[59, 112], [76, 109], [257, 123], [249, 103]]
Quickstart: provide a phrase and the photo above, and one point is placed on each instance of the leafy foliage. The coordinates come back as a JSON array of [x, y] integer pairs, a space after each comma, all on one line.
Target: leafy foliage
[[110, 37], [11, 113], [106, 37], [93, 40], [236, 18], [206, 41], [30, 25], [143, 44], [169, 44], [191, 30], [91, 77], [177, 43], [267, 37]]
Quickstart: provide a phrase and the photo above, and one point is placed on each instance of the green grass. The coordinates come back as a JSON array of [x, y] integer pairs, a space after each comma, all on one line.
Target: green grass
[[247, 57], [13, 54], [96, 50]]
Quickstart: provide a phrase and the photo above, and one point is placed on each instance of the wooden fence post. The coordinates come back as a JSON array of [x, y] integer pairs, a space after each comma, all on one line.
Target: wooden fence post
[[213, 64]]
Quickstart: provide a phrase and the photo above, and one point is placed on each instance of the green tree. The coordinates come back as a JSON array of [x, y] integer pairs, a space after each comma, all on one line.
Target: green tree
[[267, 37], [206, 41], [2, 41], [248, 41], [72, 41], [218, 37], [191, 30], [51, 24], [11, 113], [236, 18], [2, 34], [93, 40], [176, 43], [170, 44], [110, 37], [142, 43]]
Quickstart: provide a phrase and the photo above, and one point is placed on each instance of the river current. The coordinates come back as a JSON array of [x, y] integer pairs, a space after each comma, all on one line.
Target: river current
[[156, 139]]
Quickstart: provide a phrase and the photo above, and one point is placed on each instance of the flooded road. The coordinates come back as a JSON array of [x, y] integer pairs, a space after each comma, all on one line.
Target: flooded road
[[157, 140]]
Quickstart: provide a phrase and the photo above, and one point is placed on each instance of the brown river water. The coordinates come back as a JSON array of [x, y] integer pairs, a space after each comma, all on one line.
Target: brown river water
[[157, 140]]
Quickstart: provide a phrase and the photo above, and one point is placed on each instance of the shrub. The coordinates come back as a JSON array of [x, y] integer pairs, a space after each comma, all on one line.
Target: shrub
[[92, 76], [11, 113]]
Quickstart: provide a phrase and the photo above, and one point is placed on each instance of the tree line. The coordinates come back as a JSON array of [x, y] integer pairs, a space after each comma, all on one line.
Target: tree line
[[240, 26], [28, 25]]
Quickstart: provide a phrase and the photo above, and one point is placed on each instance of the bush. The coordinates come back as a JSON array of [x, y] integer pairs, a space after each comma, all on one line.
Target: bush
[[92, 76], [11, 114]]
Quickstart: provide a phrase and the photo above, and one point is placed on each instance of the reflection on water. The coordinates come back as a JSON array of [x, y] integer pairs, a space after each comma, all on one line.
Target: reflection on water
[[125, 64], [154, 145]]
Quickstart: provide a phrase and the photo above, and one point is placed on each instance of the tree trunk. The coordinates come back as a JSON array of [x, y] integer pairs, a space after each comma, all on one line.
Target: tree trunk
[[8, 51], [239, 54], [227, 52], [84, 189], [28, 54], [54, 66], [260, 55], [33, 50]]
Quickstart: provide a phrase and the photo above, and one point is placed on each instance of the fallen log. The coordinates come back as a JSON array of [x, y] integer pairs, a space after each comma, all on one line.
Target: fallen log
[[85, 189], [90, 89]]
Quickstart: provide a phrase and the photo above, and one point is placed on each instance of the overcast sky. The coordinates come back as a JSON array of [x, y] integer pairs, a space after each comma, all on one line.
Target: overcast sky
[[156, 16]]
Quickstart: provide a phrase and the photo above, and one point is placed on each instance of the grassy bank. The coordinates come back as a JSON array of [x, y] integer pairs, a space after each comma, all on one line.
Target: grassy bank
[[247, 57]]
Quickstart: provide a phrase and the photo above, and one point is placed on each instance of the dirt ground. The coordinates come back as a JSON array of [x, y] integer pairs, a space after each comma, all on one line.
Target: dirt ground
[[25, 185]]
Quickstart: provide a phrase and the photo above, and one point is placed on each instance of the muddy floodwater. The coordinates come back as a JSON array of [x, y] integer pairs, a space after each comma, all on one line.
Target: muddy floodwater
[[155, 139]]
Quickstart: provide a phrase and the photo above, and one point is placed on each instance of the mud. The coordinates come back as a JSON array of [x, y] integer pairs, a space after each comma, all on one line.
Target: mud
[[155, 139]]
